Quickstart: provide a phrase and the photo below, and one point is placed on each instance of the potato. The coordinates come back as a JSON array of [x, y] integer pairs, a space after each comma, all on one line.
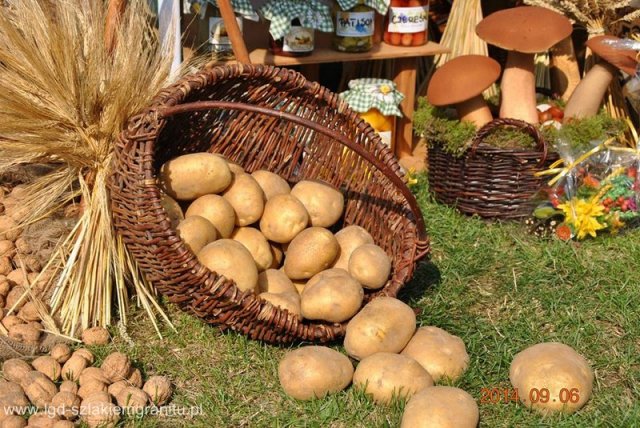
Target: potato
[[159, 389], [557, 368], [314, 371], [257, 244], [190, 176], [39, 388], [232, 260], [276, 253], [235, 168], [324, 203], [384, 325], [440, 353], [217, 210], [284, 217], [384, 375], [196, 232], [173, 209], [96, 336], [299, 284], [350, 238], [441, 407], [331, 295], [311, 252], [247, 199], [275, 281], [289, 301], [48, 366], [9, 229], [370, 266], [15, 370], [271, 184]]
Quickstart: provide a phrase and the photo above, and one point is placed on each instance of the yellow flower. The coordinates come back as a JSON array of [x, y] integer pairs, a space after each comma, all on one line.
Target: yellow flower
[[583, 216], [411, 178]]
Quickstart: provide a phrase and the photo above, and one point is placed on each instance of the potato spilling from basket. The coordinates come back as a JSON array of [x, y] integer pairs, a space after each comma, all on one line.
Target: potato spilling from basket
[[272, 239]]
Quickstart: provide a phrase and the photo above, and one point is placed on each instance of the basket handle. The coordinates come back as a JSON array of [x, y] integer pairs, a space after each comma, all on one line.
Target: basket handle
[[487, 129], [386, 170]]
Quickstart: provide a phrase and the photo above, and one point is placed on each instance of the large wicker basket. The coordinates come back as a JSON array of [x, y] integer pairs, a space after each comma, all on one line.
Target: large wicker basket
[[261, 118], [488, 181]]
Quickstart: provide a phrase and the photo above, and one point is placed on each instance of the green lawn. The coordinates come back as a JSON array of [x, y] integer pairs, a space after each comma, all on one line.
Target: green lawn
[[497, 287]]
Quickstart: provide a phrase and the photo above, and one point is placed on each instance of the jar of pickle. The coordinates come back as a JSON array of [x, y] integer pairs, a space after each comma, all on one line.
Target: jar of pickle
[[293, 24], [407, 22], [355, 25], [377, 101]]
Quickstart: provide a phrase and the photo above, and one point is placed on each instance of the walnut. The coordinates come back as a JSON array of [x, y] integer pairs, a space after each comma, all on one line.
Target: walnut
[[13, 421], [99, 396], [43, 420], [11, 320], [90, 387], [31, 263], [96, 336], [66, 404], [92, 373], [74, 367], [15, 298], [7, 248], [17, 277], [29, 312], [99, 414], [11, 389], [25, 333], [2, 304], [117, 387], [39, 388], [48, 366], [64, 424], [5, 265], [15, 370], [9, 229], [159, 389], [116, 366], [69, 386], [5, 287], [61, 352], [86, 354], [22, 246], [131, 397], [135, 378]]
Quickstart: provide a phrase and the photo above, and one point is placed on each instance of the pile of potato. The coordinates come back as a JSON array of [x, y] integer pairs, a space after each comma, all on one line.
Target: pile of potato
[[65, 387], [273, 239], [20, 316], [395, 360]]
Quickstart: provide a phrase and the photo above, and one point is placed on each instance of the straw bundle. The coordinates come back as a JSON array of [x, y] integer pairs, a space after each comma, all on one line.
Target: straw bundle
[[63, 100]]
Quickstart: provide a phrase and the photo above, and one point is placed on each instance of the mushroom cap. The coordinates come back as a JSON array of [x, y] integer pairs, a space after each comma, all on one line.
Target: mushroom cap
[[526, 29], [624, 59], [461, 79]]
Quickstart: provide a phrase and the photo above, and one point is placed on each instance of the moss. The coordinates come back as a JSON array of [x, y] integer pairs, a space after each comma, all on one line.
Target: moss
[[579, 133], [510, 138]]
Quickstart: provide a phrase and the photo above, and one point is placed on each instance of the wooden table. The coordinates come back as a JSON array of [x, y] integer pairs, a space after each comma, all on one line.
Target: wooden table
[[405, 69]]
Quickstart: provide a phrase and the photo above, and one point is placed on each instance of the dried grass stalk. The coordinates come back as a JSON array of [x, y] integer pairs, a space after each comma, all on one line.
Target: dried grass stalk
[[63, 100]]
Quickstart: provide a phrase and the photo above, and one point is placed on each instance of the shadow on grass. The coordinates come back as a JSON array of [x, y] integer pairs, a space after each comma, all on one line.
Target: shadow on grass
[[426, 278]]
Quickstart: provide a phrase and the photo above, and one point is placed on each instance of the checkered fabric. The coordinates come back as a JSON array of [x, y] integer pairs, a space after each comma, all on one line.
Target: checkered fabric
[[381, 94], [382, 6], [241, 7], [312, 14]]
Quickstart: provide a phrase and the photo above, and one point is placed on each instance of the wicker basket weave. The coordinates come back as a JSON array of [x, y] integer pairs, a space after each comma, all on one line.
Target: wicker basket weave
[[260, 117], [488, 181]]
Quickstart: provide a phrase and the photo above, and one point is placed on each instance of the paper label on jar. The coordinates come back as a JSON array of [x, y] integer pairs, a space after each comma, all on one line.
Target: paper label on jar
[[355, 24], [299, 39], [218, 36], [408, 19], [385, 136]]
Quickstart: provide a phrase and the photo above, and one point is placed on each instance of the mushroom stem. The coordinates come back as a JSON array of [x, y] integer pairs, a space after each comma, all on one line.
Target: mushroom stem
[[474, 110], [565, 74], [518, 88], [587, 97]]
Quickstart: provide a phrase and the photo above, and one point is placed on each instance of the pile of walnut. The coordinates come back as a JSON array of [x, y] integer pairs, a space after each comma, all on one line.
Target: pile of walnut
[[66, 388], [20, 316]]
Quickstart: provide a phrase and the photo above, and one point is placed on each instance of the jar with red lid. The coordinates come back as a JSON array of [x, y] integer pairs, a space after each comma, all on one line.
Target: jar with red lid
[[407, 23]]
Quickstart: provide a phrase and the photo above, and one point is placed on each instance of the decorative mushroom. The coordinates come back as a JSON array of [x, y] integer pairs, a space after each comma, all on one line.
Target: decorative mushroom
[[460, 82], [587, 97], [523, 31]]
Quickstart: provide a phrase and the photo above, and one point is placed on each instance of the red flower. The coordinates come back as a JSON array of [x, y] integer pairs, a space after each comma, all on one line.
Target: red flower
[[563, 232]]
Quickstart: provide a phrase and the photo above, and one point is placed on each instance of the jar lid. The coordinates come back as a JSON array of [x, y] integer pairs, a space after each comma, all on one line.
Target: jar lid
[[312, 14], [240, 7], [382, 6], [381, 94]]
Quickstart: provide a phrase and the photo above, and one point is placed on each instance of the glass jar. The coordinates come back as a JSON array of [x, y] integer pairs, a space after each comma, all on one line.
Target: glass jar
[[382, 124], [219, 41], [299, 41], [407, 22], [354, 28]]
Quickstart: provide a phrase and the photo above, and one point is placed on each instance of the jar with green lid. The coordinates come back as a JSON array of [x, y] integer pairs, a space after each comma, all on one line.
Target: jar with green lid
[[355, 24]]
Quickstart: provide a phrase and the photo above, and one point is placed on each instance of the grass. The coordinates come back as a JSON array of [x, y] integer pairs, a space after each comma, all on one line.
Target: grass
[[498, 288]]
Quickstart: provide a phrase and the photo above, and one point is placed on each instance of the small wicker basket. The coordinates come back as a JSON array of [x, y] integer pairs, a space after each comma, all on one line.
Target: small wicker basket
[[488, 181], [260, 117]]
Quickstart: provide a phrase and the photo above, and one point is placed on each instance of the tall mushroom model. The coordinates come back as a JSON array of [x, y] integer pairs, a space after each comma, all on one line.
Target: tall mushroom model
[[524, 32], [587, 97], [460, 82]]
